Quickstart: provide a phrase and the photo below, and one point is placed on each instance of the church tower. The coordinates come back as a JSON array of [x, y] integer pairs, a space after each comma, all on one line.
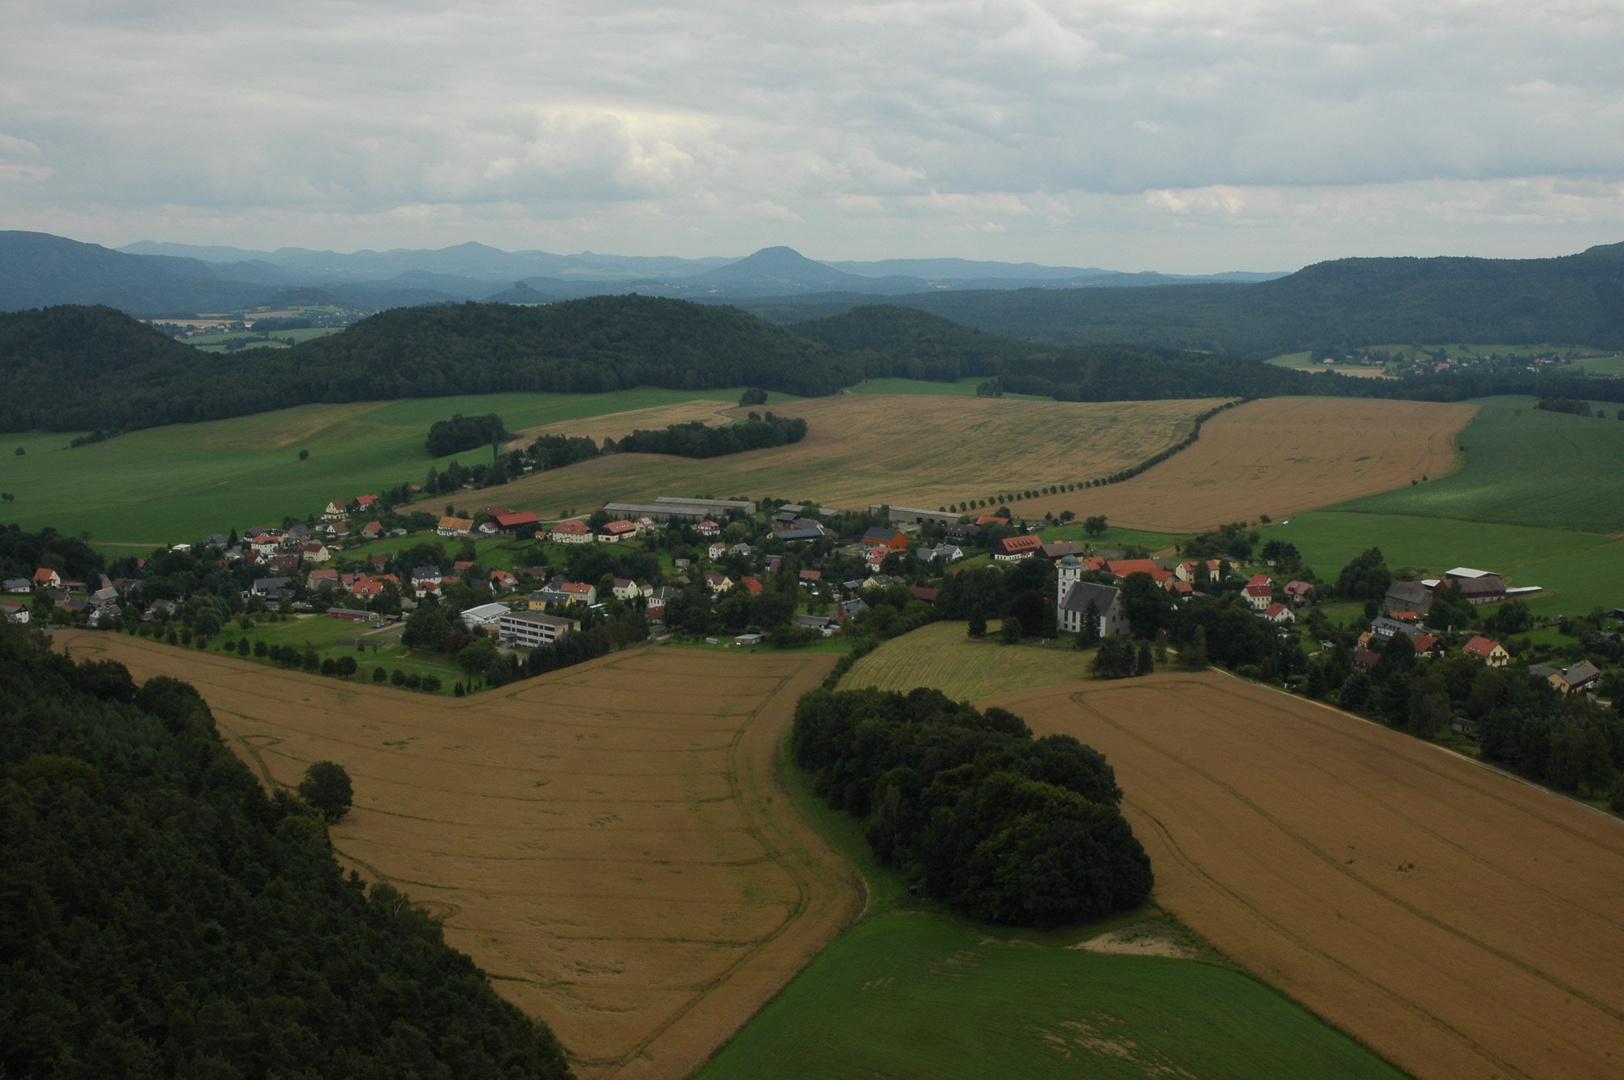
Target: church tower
[[1069, 573]]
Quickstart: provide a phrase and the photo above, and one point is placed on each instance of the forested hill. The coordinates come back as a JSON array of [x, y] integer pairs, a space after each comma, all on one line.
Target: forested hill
[[902, 341], [1576, 299], [86, 368], [160, 916]]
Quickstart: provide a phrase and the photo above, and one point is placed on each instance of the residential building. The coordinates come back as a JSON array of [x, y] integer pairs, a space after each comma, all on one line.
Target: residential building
[[1488, 650], [1016, 548], [46, 578], [574, 531], [888, 538], [615, 531], [455, 526]]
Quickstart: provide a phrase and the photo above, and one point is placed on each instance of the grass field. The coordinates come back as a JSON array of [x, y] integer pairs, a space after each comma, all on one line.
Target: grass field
[[1307, 361], [904, 995], [1278, 456], [218, 342], [337, 637], [1604, 365], [942, 655], [1523, 466], [1576, 570], [1457, 920], [920, 450], [610, 843], [182, 482]]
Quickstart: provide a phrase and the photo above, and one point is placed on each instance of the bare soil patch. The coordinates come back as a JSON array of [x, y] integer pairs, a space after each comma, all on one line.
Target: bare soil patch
[[1152, 940], [1279, 456], [611, 843], [1458, 921], [907, 450]]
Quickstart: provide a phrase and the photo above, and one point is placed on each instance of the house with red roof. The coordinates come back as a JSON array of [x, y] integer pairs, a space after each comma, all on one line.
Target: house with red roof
[[708, 528], [1488, 650], [1278, 614], [1121, 568], [47, 578], [984, 519], [1297, 592], [752, 585], [366, 502], [1260, 592], [1427, 645], [502, 581], [371, 530], [512, 521], [616, 531], [1016, 548], [574, 531]]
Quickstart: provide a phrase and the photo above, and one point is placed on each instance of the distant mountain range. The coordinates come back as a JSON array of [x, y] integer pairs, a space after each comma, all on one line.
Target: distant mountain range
[[1575, 299], [148, 279]]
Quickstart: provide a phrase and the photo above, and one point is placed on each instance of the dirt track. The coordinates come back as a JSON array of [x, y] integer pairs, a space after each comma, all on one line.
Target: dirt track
[[1278, 456], [610, 843], [1461, 922]]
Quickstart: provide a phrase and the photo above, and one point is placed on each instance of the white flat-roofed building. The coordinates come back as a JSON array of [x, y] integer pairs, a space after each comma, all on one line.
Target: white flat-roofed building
[[528, 629]]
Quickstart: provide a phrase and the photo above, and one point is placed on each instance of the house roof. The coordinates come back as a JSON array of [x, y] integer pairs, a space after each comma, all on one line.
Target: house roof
[[514, 520], [620, 528], [456, 523], [572, 527], [1480, 646], [1012, 545]]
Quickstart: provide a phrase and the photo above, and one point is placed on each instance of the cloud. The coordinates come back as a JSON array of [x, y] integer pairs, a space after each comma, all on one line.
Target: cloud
[[870, 128]]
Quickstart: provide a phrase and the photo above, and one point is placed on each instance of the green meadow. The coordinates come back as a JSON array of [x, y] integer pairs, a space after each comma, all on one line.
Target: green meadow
[[908, 991], [182, 482], [1523, 466], [1577, 570]]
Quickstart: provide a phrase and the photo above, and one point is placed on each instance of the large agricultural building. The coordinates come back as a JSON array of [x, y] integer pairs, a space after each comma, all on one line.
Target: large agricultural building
[[672, 508]]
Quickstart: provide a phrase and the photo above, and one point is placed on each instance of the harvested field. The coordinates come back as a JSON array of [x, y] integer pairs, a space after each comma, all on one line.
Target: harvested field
[[918, 450], [610, 843], [1460, 922], [1279, 456], [709, 411]]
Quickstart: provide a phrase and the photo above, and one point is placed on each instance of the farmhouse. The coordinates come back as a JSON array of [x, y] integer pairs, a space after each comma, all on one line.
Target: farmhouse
[[531, 629], [14, 611], [718, 583], [1478, 586], [1488, 650], [1078, 600], [615, 531], [335, 509], [46, 578], [943, 553], [455, 526], [887, 538], [1578, 677], [574, 531], [1016, 548], [1260, 592], [17, 585], [512, 522], [1121, 568], [1279, 614]]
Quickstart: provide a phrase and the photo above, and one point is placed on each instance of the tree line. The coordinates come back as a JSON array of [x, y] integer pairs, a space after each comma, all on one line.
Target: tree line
[[453, 436], [973, 810], [165, 917]]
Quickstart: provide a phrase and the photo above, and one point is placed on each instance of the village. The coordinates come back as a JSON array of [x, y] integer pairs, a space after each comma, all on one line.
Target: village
[[476, 596]]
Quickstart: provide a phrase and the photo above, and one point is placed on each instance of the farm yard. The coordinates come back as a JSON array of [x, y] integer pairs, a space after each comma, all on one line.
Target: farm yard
[[1279, 456], [609, 843], [1460, 922], [1522, 466], [922, 450]]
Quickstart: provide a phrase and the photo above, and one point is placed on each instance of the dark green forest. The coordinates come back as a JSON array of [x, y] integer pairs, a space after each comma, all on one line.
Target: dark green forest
[[95, 369], [973, 810], [453, 436], [1346, 302], [161, 916]]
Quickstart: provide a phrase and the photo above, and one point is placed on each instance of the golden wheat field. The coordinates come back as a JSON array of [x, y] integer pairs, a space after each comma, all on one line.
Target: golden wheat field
[[610, 842], [1278, 456], [1461, 922], [709, 411], [908, 450]]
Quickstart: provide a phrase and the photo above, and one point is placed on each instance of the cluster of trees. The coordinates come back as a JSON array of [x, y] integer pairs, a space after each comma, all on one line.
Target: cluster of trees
[[166, 917], [694, 439], [1564, 405], [971, 808], [21, 553], [453, 436]]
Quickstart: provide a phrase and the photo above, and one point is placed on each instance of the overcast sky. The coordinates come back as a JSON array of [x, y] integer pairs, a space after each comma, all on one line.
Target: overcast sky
[[1179, 136]]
